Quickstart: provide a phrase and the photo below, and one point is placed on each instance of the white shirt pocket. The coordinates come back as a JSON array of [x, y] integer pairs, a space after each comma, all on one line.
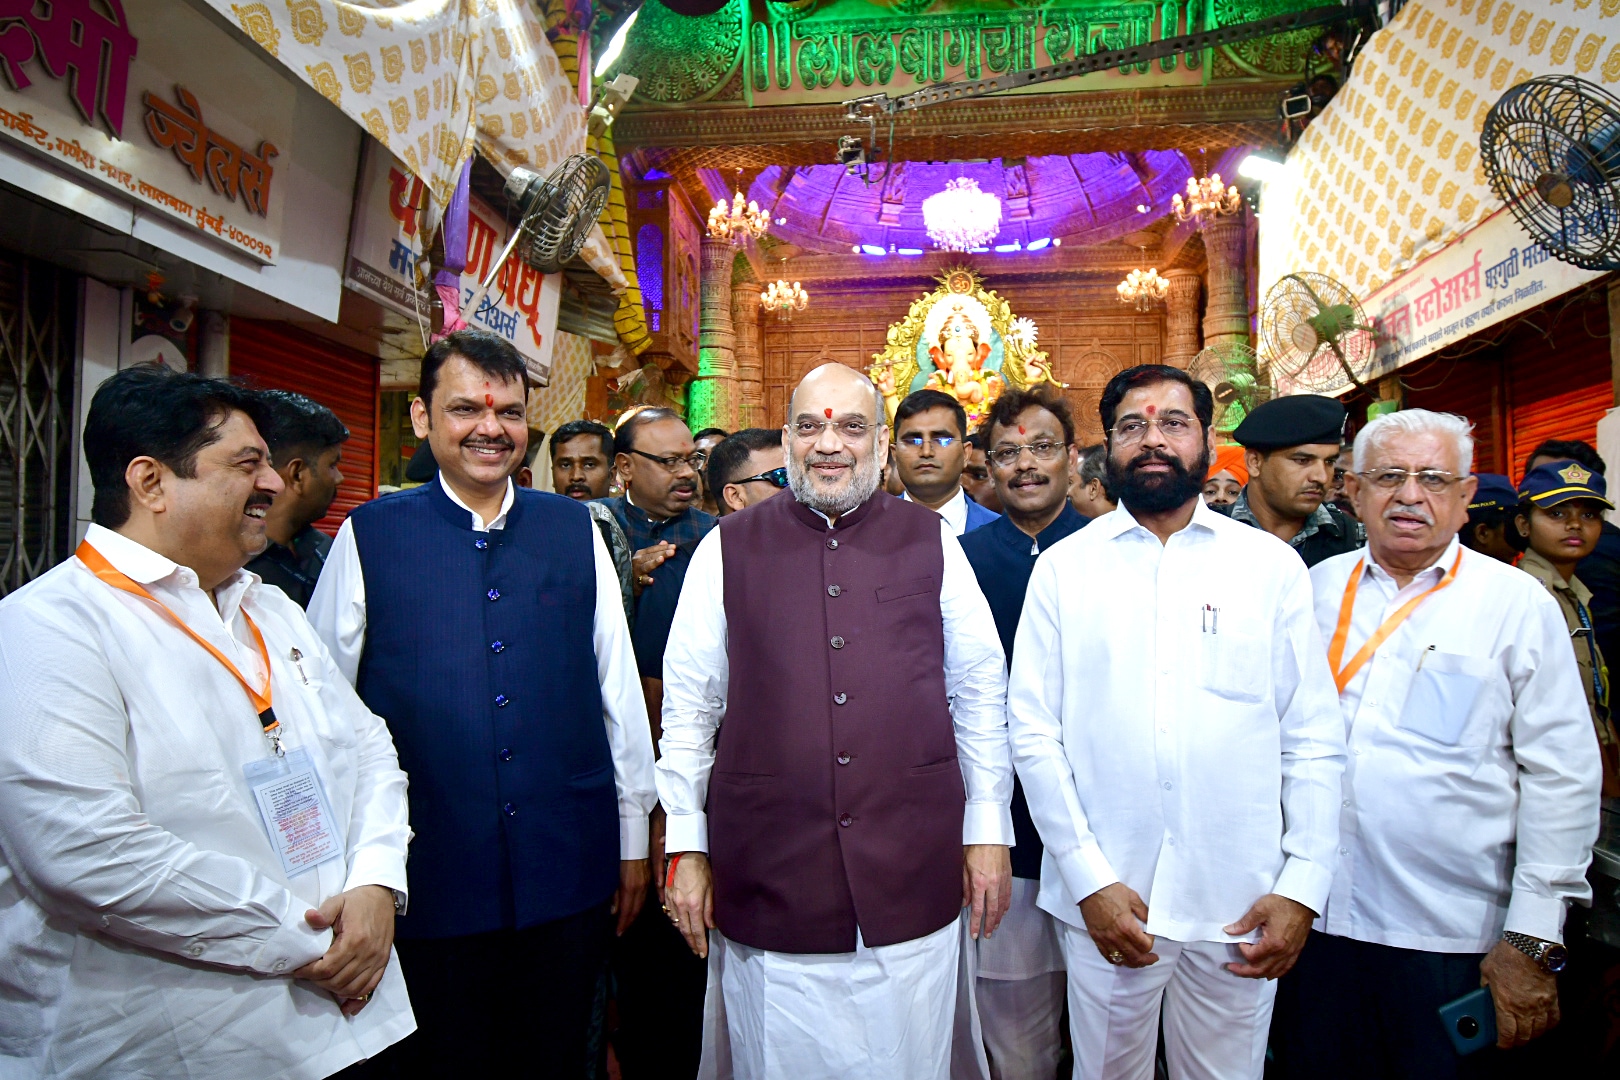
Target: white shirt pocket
[[1442, 696], [1234, 666]]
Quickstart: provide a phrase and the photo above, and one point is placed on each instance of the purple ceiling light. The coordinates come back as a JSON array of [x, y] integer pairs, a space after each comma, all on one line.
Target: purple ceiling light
[[1082, 198]]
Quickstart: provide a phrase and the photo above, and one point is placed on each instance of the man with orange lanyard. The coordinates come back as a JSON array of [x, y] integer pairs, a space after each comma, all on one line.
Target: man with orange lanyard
[[1470, 799], [202, 829]]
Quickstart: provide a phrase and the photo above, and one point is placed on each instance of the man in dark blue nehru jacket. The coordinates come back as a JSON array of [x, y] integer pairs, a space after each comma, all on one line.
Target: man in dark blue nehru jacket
[[483, 622], [1029, 446]]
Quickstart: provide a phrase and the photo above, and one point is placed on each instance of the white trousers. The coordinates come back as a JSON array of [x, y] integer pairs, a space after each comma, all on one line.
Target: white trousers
[[876, 1012], [1215, 1023]]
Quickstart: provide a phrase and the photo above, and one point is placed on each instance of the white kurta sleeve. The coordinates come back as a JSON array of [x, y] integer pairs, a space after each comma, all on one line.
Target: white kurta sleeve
[[976, 686], [624, 709], [697, 674], [1312, 738], [1035, 727], [379, 825], [337, 610], [74, 834], [1560, 775]]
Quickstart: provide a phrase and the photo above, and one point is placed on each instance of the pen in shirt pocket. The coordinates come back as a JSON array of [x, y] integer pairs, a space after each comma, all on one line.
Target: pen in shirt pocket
[[1210, 619], [1422, 656]]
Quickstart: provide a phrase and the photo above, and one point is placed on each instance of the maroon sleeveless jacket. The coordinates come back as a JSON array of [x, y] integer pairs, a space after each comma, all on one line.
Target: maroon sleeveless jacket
[[836, 799]]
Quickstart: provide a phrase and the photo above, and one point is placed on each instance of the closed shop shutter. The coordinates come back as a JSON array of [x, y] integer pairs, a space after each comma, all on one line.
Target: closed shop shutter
[[1558, 388], [275, 356], [1470, 387]]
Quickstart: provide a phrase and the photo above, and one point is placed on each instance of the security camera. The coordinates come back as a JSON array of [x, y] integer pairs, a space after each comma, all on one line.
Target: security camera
[[615, 95]]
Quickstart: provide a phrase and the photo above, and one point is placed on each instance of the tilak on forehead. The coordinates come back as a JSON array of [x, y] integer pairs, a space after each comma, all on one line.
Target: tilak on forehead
[[489, 398], [828, 412], [1151, 409], [1020, 429]]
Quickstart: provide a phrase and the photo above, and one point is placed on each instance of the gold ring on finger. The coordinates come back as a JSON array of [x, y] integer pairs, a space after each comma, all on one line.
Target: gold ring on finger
[[1116, 957]]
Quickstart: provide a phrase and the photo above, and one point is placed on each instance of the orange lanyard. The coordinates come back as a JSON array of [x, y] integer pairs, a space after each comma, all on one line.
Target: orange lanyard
[[1343, 676], [99, 566]]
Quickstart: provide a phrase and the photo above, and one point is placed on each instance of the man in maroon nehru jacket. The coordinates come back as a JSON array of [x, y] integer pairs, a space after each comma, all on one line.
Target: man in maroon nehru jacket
[[835, 763]]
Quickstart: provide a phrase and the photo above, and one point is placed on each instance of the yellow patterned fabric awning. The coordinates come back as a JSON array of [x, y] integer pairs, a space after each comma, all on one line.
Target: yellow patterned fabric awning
[[429, 79], [1390, 172]]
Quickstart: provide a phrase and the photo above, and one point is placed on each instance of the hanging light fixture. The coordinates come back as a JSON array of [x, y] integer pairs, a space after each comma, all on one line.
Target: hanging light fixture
[[1207, 198], [1143, 288], [962, 218], [737, 221], [784, 299]]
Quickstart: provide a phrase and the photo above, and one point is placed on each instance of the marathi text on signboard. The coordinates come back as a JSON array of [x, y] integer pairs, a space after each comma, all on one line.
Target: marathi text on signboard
[[385, 247], [1489, 274], [74, 75]]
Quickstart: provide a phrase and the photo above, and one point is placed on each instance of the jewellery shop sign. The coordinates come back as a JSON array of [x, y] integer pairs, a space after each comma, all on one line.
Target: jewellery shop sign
[[385, 263], [149, 97]]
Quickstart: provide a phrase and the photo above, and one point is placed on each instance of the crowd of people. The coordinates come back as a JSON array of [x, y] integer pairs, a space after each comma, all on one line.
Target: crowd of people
[[848, 749]]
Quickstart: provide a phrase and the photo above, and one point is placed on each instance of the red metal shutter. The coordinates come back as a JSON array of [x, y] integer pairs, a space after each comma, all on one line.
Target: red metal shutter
[[1468, 387], [277, 356], [1557, 389]]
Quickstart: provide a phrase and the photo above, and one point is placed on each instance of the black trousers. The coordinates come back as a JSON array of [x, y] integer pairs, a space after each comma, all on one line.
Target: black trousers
[[1359, 1011], [658, 986], [512, 1003]]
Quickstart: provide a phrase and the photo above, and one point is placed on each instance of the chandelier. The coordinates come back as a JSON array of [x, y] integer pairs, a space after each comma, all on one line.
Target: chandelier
[[1207, 198], [784, 299], [962, 218], [1143, 288], [737, 222]]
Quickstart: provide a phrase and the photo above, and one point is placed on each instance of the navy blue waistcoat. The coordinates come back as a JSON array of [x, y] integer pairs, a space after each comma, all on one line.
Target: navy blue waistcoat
[[479, 654]]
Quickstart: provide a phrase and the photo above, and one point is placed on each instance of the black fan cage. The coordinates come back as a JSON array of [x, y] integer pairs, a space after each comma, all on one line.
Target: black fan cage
[[1551, 148], [561, 212]]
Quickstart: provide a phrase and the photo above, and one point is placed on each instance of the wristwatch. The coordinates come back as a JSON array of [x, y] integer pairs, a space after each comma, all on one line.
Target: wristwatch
[[1551, 956]]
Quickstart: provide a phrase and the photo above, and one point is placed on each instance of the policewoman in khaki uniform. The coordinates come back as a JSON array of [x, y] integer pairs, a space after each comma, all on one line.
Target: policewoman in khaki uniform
[[1561, 507]]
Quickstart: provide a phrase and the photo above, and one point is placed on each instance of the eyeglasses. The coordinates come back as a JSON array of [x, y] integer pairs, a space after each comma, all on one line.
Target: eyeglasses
[[1007, 456], [673, 463], [852, 431], [1171, 427], [916, 440], [1431, 480], [775, 477]]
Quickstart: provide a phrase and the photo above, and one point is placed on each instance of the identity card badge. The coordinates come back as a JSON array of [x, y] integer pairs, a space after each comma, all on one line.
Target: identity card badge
[[292, 804]]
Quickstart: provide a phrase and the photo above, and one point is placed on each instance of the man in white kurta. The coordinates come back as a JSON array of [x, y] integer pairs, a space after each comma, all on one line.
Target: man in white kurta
[[873, 1010], [149, 926], [1471, 797], [1175, 730]]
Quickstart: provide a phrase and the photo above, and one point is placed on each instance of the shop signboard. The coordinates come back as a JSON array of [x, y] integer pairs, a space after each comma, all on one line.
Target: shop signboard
[[385, 263], [1493, 272], [151, 98]]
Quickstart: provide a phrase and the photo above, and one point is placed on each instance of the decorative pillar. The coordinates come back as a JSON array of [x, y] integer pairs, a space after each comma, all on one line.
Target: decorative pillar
[[713, 397], [1181, 342], [750, 359], [1226, 316]]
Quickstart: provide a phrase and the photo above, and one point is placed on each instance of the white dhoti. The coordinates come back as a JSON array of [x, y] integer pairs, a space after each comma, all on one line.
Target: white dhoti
[[1215, 1023], [1020, 990], [875, 1012]]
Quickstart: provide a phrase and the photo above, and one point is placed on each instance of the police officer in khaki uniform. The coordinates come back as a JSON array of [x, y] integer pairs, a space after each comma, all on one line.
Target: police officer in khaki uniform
[[1561, 507], [1291, 450]]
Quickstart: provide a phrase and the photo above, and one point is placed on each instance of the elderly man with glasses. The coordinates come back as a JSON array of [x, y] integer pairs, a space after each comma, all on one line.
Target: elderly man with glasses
[[823, 846], [1470, 800], [659, 983], [1174, 728]]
